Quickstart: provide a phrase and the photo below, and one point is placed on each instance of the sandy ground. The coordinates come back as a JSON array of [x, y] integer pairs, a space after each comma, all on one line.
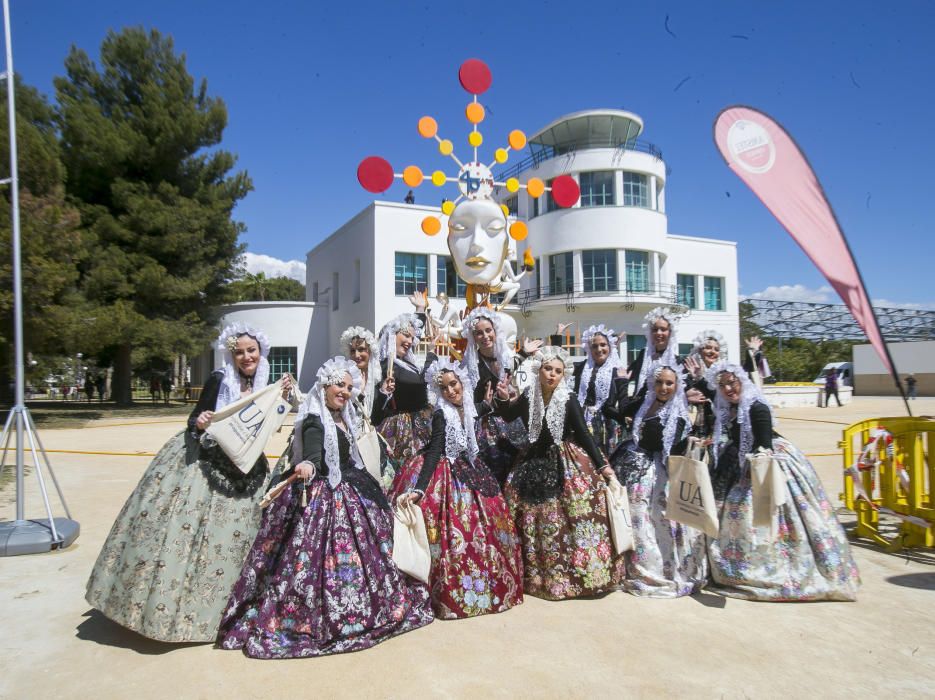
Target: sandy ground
[[54, 646]]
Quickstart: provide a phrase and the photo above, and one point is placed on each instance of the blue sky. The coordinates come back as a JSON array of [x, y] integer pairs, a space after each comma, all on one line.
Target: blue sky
[[311, 88]]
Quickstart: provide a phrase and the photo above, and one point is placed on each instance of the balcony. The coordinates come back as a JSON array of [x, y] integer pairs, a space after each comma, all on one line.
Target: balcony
[[572, 294], [544, 153]]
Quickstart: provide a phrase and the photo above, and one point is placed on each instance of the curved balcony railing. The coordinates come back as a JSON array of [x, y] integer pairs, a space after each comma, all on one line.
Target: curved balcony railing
[[629, 295], [545, 153]]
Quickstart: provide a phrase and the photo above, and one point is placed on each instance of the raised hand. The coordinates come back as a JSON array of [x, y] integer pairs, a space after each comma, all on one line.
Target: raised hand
[[694, 367], [622, 373], [420, 300], [560, 327], [754, 343], [694, 396], [531, 347], [503, 389]]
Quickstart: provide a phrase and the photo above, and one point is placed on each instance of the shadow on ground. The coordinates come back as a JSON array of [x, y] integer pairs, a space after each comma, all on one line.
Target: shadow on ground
[[96, 627]]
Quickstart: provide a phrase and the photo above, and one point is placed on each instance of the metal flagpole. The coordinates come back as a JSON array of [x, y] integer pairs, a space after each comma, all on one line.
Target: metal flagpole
[[23, 536]]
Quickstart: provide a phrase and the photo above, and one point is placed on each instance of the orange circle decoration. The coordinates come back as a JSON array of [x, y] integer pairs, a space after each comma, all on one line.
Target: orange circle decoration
[[535, 187], [431, 225], [518, 231], [516, 139], [500, 155], [474, 112], [445, 147], [439, 178], [475, 139], [447, 207], [512, 185], [428, 127], [412, 176], [506, 209]]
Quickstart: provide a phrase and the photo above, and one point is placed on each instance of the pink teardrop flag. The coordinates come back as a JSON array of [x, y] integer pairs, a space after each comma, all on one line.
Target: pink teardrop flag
[[770, 163]]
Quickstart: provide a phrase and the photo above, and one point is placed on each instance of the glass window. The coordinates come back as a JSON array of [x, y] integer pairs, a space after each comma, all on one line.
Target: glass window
[[447, 280], [635, 343], [335, 288], [411, 273], [561, 273], [713, 294], [512, 203], [635, 190], [685, 290], [282, 360], [537, 291], [600, 270], [685, 349], [637, 262], [597, 189], [550, 204]]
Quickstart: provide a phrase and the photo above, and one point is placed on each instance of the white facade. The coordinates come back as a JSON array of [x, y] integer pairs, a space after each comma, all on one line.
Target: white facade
[[622, 259], [917, 358]]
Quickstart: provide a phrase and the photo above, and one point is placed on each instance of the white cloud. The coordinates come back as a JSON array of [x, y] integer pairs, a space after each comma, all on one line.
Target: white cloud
[[926, 305], [274, 267], [797, 292]]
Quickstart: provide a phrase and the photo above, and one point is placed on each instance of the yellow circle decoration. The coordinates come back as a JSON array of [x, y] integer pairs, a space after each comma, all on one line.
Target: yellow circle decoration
[[447, 207], [445, 147], [412, 176], [500, 155], [428, 127], [475, 139], [506, 209], [439, 178], [516, 139], [474, 112], [512, 185], [431, 225], [535, 187], [518, 231]]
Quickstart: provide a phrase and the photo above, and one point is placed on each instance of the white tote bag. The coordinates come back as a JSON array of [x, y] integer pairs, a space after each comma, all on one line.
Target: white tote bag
[[769, 489], [368, 446], [691, 498], [242, 429], [618, 510], [411, 543]]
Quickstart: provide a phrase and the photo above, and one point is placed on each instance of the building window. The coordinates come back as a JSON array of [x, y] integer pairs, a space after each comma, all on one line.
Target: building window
[[685, 349], [334, 291], [635, 343], [600, 270], [685, 290], [282, 360], [637, 262], [537, 291], [357, 280], [315, 292], [713, 294], [635, 190], [597, 189], [550, 204], [447, 280], [561, 273], [411, 273], [512, 203]]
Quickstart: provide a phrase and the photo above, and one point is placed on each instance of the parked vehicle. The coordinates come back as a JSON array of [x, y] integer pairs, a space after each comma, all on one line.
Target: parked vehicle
[[845, 373]]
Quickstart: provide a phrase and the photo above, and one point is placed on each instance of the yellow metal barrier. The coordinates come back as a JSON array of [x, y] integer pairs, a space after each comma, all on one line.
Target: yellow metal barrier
[[878, 470]]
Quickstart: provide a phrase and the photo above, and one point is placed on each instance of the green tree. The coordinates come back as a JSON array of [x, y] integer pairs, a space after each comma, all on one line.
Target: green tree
[[139, 144], [259, 287], [51, 241]]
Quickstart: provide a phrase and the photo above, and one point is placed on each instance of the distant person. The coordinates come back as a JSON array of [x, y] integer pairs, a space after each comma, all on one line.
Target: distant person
[[911, 386], [831, 387], [166, 386], [89, 387], [188, 390], [754, 361], [101, 384], [154, 388], [410, 197]]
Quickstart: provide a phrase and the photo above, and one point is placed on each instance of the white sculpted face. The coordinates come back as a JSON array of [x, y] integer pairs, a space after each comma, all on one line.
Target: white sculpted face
[[478, 241]]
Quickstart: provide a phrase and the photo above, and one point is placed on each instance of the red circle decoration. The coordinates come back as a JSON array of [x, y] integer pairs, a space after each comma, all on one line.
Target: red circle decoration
[[375, 174], [565, 191], [475, 76]]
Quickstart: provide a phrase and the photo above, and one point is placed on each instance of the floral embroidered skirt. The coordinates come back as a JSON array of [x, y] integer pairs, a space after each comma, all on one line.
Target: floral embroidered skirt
[[476, 559], [176, 549], [808, 559], [500, 442], [407, 433], [668, 559], [560, 511], [320, 580]]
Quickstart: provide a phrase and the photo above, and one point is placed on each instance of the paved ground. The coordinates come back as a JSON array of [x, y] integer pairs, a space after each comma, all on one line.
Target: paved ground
[[53, 645]]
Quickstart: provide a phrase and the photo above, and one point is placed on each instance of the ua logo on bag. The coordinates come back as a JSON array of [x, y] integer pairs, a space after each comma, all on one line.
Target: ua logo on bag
[[690, 493]]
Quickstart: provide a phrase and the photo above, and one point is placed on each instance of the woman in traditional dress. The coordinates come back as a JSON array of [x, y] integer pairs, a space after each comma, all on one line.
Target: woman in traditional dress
[[175, 550], [320, 578], [809, 557], [488, 361], [556, 491], [661, 346], [401, 409], [600, 384], [668, 559], [476, 559], [708, 348]]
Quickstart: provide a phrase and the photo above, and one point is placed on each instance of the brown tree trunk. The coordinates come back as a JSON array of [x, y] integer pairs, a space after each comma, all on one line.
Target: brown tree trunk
[[121, 391]]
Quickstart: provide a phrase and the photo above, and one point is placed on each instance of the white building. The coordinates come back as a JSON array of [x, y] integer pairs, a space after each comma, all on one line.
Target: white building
[[609, 259]]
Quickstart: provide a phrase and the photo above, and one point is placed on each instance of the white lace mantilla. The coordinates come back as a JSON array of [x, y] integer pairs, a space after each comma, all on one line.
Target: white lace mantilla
[[229, 391], [749, 394], [472, 358], [460, 436], [669, 414]]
